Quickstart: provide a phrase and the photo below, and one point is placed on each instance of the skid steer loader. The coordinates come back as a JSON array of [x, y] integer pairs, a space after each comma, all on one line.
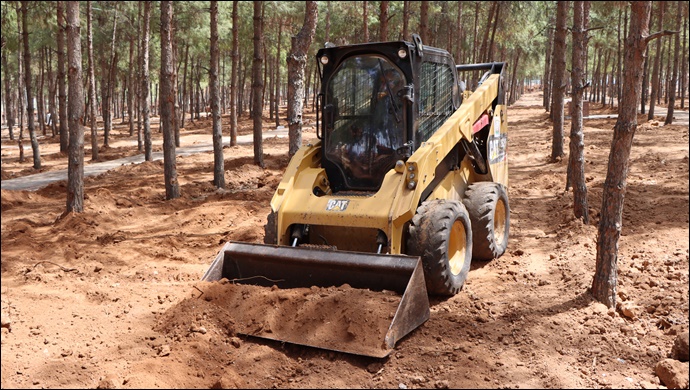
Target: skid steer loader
[[406, 184]]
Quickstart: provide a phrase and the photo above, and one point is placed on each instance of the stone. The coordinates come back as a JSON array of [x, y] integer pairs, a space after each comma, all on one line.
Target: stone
[[108, 382], [673, 373], [164, 350], [680, 347]]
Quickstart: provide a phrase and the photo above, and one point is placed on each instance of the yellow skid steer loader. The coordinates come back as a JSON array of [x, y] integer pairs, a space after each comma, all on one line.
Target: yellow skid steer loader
[[406, 184]]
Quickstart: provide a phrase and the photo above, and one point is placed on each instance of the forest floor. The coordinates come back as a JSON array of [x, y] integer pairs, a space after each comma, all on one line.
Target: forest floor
[[110, 297]]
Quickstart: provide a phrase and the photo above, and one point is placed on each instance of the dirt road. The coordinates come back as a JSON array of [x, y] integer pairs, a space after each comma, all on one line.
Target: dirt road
[[111, 297]]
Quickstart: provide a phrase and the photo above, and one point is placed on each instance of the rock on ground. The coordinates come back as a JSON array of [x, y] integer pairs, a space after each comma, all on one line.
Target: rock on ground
[[673, 374]]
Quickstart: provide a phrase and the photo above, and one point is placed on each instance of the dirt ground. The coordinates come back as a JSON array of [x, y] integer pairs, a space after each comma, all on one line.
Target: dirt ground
[[112, 297]]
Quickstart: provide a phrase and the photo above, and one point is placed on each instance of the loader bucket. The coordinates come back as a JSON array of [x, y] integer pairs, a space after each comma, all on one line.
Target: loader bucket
[[351, 288]]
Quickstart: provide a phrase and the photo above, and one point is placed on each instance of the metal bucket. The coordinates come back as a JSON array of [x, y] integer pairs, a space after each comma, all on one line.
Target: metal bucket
[[295, 267]]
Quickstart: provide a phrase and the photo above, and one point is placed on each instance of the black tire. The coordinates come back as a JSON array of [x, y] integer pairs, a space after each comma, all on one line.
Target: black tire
[[487, 204], [441, 233], [271, 229]]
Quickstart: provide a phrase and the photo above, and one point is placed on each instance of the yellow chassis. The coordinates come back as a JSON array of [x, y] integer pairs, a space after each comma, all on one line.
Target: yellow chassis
[[393, 206]]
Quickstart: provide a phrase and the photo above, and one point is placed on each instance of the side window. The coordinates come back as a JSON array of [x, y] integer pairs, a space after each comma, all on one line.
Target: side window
[[435, 98]]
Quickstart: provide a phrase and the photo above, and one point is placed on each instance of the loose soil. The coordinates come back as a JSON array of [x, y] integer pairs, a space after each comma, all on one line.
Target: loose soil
[[112, 297]]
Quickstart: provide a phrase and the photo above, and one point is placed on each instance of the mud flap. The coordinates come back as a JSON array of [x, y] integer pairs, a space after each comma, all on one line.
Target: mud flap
[[357, 281]]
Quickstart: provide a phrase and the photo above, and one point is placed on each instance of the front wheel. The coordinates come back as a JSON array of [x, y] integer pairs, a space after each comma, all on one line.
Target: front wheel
[[487, 204], [441, 234]]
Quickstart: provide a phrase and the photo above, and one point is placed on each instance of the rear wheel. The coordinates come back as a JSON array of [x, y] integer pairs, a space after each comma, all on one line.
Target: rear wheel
[[441, 234], [487, 205]]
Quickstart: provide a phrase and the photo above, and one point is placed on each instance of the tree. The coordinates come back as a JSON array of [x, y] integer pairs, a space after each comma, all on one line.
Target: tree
[[62, 87], [27, 84], [610, 224], [257, 86], [144, 88], [558, 81], [218, 162], [167, 103], [9, 101], [92, 85], [365, 21], [576, 164], [657, 60], [75, 167], [676, 59], [233, 77], [297, 60], [383, 22]]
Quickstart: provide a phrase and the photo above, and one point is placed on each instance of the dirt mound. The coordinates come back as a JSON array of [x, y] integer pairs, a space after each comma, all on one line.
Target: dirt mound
[[335, 318]]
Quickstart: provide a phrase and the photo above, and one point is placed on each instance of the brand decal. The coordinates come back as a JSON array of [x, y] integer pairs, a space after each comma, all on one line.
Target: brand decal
[[337, 205]]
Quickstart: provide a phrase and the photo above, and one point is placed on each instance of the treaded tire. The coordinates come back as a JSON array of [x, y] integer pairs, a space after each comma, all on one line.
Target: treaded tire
[[440, 232], [487, 205], [271, 229]]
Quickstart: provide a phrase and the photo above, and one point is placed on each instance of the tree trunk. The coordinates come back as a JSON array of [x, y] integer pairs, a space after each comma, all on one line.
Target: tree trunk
[[657, 60], [140, 141], [490, 55], [62, 86], [257, 86], [130, 86], [558, 86], [297, 59], [576, 164], [278, 62], [75, 168], [92, 85], [546, 85], [233, 76], [107, 98], [610, 224], [27, 85], [167, 103], [684, 61], [383, 21], [674, 75], [365, 21], [148, 152], [424, 21], [41, 103], [485, 40], [459, 35], [406, 18], [184, 87], [9, 102], [218, 161]]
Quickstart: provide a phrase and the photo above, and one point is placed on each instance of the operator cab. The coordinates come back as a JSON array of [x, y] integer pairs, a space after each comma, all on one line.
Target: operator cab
[[371, 116]]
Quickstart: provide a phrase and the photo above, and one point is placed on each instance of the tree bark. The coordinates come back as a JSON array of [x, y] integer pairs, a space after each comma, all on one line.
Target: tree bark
[[424, 21], [148, 152], [297, 60], [657, 60], [406, 18], [130, 86], [9, 102], [674, 75], [547, 70], [558, 86], [576, 164], [257, 86], [167, 103], [218, 161], [233, 76], [75, 168], [109, 86], [27, 85], [365, 21], [610, 224], [278, 62], [383, 21], [92, 85], [62, 86]]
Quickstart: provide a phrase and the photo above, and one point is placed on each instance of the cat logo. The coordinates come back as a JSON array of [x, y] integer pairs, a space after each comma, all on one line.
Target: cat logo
[[337, 205]]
